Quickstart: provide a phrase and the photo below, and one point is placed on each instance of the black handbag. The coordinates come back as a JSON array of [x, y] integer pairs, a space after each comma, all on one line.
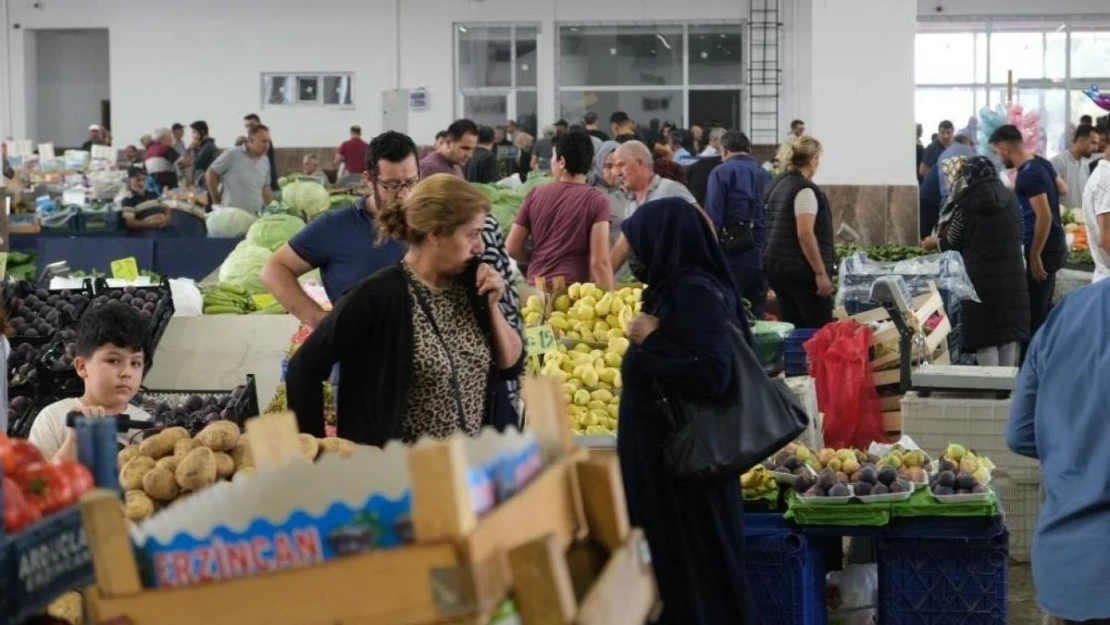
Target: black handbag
[[718, 440], [737, 238]]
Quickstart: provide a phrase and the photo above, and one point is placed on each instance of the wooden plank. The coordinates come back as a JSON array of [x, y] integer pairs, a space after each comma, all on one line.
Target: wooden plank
[[547, 416], [939, 335], [586, 560], [891, 403], [892, 421], [626, 593], [546, 506], [542, 583], [442, 507], [395, 586], [109, 544], [603, 494], [886, 378]]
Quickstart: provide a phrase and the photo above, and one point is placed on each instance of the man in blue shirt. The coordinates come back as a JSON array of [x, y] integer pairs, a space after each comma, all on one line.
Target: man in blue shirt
[[1045, 246], [341, 244], [1059, 417], [734, 201]]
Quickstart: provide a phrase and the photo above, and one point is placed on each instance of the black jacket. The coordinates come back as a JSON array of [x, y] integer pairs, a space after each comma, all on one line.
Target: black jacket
[[273, 168], [697, 176], [782, 255], [483, 167], [370, 336], [986, 228]]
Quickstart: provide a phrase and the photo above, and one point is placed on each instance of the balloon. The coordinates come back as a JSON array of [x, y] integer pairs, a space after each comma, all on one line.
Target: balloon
[[1101, 100]]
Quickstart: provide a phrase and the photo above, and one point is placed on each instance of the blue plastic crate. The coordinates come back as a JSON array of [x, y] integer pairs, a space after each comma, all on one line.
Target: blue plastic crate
[[929, 581], [796, 364], [106, 221], [45, 560], [786, 573]]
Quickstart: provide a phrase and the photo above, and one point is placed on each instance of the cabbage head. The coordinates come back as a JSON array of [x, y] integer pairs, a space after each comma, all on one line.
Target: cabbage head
[[272, 231], [243, 267], [226, 222], [306, 198], [490, 191]]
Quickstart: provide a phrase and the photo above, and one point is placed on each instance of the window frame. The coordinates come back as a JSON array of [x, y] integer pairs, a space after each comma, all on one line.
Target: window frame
[[293, 78], [510, 92]]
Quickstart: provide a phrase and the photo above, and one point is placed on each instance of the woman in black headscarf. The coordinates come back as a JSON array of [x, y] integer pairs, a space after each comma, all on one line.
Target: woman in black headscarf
[[681, 341], [986, 228]]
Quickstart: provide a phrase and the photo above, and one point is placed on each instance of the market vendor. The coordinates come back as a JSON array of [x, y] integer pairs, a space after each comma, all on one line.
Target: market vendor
[[140, 208], [340, 243], [423, 347]]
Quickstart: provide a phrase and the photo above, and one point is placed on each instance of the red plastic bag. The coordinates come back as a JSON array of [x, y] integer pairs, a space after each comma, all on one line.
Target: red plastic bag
[[839, 356]]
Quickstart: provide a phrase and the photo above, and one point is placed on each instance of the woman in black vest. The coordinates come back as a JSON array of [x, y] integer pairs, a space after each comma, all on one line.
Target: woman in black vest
[[799, 256], [986, 229]]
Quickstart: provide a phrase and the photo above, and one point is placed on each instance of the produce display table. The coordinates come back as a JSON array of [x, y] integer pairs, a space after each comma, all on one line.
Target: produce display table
[[172, 256]]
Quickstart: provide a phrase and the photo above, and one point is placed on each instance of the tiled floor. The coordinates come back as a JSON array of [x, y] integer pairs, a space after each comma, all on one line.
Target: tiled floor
[[1023, 604]]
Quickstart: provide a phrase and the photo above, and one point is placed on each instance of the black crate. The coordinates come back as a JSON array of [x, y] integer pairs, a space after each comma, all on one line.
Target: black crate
[[238, 404], [43, 561], [15, 301], [159, 317]]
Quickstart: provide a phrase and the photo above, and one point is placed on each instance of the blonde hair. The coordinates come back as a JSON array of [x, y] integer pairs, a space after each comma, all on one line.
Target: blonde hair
[[626, 127], [525, 141], [438, 204], [798, 153]]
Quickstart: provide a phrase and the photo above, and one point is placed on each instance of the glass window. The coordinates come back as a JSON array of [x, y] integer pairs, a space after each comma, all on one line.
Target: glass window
[[1021, 52], [485, 56], [486, 110], [934, 105], [647, 108], [648, 56], [716, 55], [526, 111], [715, 107], [278, 89], [1056, 55], [1090, 55], [525, 56], [337, 90], [944, 58], [308, 88]]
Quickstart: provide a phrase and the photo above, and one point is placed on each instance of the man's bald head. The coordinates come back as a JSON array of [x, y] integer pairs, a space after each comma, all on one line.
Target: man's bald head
[[635, 164]]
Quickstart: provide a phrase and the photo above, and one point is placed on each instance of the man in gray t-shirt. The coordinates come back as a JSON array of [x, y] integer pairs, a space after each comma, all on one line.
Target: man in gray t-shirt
[[245, 174]]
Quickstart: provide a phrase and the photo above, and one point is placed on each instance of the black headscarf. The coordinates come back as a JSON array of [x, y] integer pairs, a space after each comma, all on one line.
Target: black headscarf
[[671, 241], [979, 168]]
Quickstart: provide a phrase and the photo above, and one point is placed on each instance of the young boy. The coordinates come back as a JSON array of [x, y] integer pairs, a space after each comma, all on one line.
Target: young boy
[[110, 358]]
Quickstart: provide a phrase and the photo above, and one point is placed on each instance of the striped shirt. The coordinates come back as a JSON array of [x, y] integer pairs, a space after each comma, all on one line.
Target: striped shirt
[[496, 256]]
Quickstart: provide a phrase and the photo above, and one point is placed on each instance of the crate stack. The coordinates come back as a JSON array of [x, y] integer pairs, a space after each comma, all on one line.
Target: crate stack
[[980, 423], [786, 572], [794, 352]]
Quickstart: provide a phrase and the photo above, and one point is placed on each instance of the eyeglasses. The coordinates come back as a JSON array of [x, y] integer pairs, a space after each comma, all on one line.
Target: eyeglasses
[[398, 185]]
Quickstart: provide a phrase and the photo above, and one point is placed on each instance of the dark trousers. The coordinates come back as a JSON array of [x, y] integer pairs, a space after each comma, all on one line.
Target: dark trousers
[[799, 303], [752, 285], [1040, 300]]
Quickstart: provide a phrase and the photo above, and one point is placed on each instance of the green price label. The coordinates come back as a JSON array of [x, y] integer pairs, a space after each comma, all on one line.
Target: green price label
[[125, 269], [539, 340]]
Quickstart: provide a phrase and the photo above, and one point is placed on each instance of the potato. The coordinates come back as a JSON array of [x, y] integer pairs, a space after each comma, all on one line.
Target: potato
[[176, 433], [182, 447], [219, 435], [69, 608], [137, 505], [126, 454], [132, 474], [341, 446], [310, 447], [225, 466], [241, 454], [160, 484], [197, 470], [169, 463], [156, 446]]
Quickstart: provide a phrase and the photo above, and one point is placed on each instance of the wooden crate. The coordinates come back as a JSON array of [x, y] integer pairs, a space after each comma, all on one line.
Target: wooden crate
[[458, 571]]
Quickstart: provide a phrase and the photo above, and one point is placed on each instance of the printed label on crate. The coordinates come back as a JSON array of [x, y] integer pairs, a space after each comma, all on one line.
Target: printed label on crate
[[300, 514], [51, 554]]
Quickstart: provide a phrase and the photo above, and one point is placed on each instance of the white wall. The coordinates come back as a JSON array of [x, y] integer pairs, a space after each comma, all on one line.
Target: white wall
[[862, 88], [71, 78], [1002, 8]]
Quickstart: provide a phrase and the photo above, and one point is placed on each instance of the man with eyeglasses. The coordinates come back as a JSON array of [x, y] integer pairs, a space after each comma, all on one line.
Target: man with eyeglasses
[[341, 243]]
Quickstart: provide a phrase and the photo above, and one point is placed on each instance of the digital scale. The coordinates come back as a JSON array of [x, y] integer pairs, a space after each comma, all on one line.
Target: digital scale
[[892, 293]]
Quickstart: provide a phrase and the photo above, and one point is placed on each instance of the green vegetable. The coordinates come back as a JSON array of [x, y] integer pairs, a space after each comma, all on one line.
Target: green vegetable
[[243, 267], [307, 199], [272, 231], [221, 310], [227, 222]]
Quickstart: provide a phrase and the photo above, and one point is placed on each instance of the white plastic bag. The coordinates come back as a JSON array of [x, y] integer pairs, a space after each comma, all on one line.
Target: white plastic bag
[[858, 590], [187, 298]]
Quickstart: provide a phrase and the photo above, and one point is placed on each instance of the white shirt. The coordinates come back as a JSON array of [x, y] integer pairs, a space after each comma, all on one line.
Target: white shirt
[[1075, 173], [709, 152], [1096, 201], [48, 431]]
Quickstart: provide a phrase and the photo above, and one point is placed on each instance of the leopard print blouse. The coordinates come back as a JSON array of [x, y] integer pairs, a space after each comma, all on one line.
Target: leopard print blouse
[[462, 357]]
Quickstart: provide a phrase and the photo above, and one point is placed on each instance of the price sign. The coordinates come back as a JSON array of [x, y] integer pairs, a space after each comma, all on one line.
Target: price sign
[[125, 269], [539, 340], [263, 300]]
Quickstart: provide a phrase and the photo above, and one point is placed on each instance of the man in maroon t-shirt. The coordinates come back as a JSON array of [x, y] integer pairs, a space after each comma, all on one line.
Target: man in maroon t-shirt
[[352, 153], [453, 153], [567, 220]]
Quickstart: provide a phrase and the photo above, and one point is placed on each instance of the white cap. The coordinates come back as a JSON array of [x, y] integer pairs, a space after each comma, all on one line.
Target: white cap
[[94, 127]]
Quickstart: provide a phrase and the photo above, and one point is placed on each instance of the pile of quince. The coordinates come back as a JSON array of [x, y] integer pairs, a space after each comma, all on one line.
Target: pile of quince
[[587, 313], [591, 383]]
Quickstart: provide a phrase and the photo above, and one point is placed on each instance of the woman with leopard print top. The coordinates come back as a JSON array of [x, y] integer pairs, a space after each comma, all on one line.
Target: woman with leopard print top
[[423, 347]]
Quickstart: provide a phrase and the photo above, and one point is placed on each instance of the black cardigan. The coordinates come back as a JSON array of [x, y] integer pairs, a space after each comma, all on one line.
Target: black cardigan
[[370, 335]]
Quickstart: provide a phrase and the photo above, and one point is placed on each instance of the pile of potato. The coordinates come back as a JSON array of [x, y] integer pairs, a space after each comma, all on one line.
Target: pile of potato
[[170, 464]]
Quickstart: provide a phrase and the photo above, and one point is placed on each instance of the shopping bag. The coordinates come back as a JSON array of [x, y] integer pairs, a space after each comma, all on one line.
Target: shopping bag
[[839, 356]]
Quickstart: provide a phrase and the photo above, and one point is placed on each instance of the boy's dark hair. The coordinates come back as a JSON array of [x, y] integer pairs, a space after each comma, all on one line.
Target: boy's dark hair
[[112, 324], [200, 127], [460, 128], [618, 117], [577, 149], [1083, 131], [390, 146], [1006, 134], [485, 135], [252, 117], [735, 142], [946, 125]]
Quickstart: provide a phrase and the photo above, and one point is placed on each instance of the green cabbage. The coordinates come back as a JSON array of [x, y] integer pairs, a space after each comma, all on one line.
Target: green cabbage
[[306, 198], [272, 231], [243, 267], [491, 192], [226, 222]]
